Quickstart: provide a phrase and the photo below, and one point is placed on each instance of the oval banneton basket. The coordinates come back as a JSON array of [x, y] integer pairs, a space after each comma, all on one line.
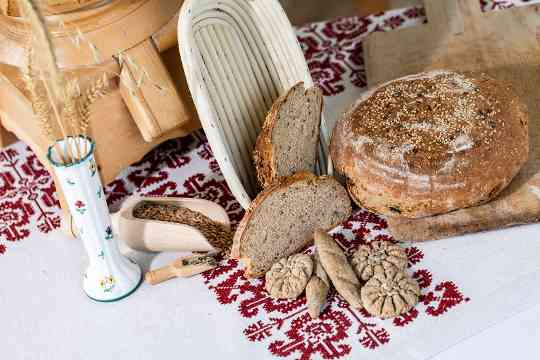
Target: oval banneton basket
[[239, 56]]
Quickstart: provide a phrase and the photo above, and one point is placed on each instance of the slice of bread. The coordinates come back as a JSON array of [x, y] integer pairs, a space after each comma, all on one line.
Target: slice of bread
[[281, 220], [289, 138]]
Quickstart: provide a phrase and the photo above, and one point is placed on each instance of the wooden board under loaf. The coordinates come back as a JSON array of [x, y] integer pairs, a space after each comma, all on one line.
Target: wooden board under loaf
[[459, 36]]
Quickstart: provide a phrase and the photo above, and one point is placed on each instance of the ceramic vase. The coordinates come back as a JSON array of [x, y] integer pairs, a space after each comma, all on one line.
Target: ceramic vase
[[110, 275]]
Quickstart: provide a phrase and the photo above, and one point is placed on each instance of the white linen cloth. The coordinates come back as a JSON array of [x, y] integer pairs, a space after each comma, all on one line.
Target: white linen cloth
[[480, 293]]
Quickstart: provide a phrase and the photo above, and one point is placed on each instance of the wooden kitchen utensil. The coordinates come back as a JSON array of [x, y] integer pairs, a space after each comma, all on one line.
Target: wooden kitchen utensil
[[459, 36], [135, 38], [238, 57], [183, 267], [156, 235]]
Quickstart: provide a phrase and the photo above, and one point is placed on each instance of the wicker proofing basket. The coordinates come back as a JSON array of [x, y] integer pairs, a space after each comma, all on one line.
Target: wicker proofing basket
[[239, 56]]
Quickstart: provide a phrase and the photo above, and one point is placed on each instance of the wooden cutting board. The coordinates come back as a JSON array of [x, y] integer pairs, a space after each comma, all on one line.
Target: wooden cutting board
[[504, 44]]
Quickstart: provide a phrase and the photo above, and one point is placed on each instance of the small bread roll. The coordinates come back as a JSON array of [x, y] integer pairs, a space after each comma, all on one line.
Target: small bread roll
[[335, 262], [317, 289]]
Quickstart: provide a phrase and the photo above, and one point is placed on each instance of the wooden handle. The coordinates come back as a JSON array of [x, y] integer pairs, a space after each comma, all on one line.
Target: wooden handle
[[192, 270], [160, 275], [182, 267], [149, 92]]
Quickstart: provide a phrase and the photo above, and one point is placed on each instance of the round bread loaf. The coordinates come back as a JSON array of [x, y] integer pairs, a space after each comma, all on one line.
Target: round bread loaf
[[431, 143]]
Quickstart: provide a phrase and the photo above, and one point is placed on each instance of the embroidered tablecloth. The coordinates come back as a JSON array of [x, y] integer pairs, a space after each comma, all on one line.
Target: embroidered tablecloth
[[468, 284]]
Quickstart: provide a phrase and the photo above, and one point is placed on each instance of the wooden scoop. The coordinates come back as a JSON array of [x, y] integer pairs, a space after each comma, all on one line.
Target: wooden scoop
[[156, 235], [183, 267]]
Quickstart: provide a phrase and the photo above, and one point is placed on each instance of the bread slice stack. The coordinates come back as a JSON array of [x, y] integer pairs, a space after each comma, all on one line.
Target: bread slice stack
[[295, 202]]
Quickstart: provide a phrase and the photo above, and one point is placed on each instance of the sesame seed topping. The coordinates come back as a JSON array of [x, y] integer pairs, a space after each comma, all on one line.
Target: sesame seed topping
[[428, 119]]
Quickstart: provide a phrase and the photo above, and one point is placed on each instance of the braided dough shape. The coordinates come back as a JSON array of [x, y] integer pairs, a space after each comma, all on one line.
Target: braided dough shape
[[371, 259], [390, 293], [338, 268], [317, 289], [288, 278]]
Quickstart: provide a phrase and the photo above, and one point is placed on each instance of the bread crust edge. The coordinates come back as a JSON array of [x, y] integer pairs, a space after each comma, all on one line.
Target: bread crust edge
[[263, 154]]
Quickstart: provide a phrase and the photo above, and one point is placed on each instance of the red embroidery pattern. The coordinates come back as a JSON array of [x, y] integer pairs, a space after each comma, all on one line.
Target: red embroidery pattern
[[26, 196], [186, 167], [498, 5], [287, 329], [308, 337], [334, 49], [449, 296], [283, 326]]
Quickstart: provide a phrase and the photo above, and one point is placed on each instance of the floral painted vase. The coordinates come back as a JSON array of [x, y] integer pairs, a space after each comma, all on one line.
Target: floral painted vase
[[110, 275]]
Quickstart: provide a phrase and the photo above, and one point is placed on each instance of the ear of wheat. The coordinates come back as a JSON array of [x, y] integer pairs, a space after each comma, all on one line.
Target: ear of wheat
[[97, 89], [56, 101]]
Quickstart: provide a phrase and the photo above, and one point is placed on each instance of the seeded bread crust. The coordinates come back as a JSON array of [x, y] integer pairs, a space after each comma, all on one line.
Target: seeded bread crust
[[264, 154], [239, 240], [431, 143]]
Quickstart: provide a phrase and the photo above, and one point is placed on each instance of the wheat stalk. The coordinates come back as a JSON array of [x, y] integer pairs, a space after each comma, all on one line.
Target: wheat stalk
[[55, 99], [97, 89], [61, 101], [40, 105], [43, 42], [71, 113], [51, 77]]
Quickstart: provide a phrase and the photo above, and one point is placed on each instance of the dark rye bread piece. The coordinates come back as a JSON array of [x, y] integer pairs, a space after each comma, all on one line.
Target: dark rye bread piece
[[281, 220], [431, 143], [289, 138]]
